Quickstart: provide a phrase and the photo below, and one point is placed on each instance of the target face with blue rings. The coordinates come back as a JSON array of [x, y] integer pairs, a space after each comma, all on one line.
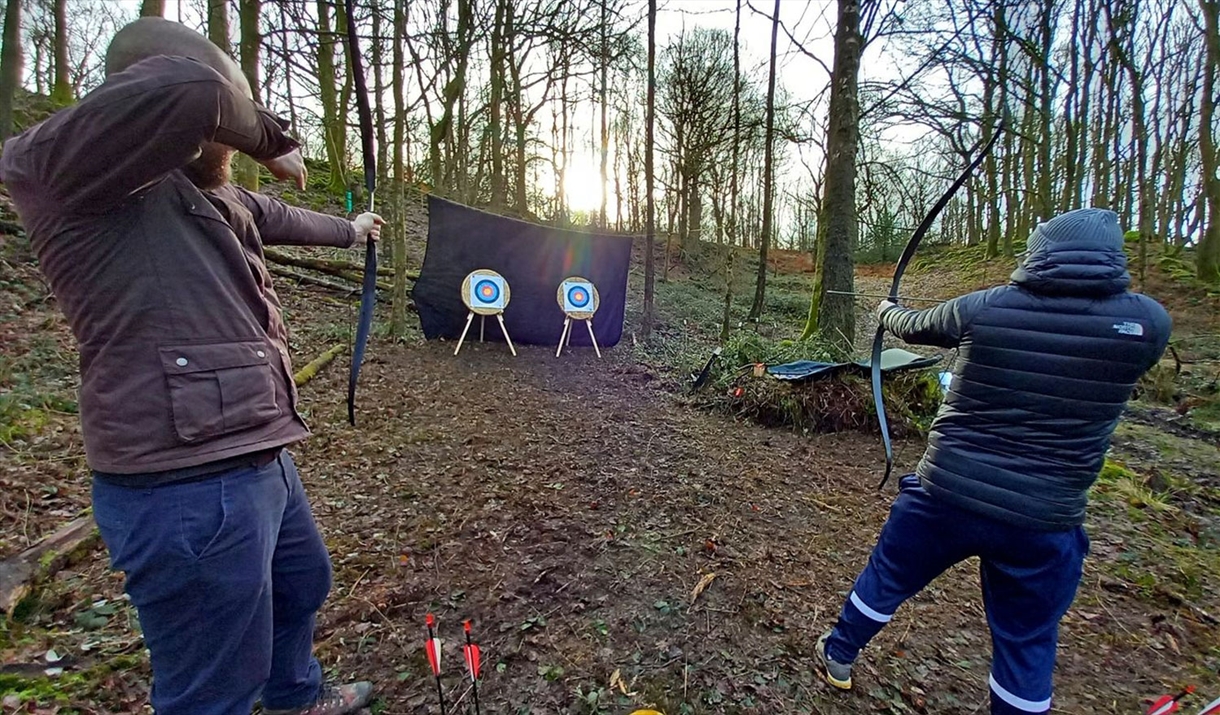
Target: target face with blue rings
[[487, 291], [577, 297]]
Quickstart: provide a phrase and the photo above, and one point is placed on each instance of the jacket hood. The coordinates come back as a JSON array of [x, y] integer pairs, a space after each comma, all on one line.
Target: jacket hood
[[1074, 268]]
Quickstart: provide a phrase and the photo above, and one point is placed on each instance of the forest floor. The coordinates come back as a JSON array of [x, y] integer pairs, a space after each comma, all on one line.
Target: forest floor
[[575, 509]]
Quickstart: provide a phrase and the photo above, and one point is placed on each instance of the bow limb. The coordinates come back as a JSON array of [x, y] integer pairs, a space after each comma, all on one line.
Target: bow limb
[[907, 254], [368, 293]]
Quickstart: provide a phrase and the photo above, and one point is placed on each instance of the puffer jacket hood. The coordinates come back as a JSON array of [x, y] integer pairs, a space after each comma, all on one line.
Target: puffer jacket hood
[[1074, 268]]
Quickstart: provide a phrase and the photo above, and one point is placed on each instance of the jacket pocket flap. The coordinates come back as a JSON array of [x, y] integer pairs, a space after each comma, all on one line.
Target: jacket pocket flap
[[186, 359]]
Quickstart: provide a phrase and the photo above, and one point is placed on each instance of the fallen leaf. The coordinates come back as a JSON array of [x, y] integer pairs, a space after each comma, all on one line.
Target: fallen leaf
[[616, 681], [701, 586]]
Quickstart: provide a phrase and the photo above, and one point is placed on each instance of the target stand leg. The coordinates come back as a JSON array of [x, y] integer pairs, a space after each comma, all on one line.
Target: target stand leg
[[482, 324], [503, 329], [469, 317], [589, 325], [567, 328]]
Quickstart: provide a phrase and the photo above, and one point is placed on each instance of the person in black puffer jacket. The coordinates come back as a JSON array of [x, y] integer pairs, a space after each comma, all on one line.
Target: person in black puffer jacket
[[1045, 366]]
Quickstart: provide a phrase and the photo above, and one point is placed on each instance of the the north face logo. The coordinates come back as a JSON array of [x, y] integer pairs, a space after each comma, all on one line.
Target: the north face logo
[[1129, 328]]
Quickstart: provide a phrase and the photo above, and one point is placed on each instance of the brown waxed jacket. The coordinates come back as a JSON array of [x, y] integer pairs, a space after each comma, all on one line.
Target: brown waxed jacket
[[183, 349]]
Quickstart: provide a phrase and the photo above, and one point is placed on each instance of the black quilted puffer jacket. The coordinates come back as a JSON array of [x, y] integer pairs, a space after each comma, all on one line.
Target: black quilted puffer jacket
[[1044, 369]]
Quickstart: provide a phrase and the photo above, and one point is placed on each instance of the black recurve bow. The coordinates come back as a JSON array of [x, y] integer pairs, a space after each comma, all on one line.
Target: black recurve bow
[[368, 294], [907, 253]]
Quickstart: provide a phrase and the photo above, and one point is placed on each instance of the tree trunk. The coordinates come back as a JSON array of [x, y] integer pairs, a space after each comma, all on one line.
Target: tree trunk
[[286, 61], [251, 41], [334, 127], [379, 119], [495, 104], [1207, 257], [442, 131], [760, 288], [993, 107], [152, 8], [61, 90], [398, 233], [1123, 53], [733, 185], [1045, 170], [650, 120], [218, 25], [605, 135], [832, 315]]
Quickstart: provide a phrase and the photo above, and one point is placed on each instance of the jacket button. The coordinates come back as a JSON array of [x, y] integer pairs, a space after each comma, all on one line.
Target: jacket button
[[261, 354], [181, 362]]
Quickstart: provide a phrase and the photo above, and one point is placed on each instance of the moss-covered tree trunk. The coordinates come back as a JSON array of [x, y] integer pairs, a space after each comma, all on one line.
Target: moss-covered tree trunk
[[832, 315], [251, 40], [11, 58], [61, 89], [1208, 255], [334, 127], [398, 235]]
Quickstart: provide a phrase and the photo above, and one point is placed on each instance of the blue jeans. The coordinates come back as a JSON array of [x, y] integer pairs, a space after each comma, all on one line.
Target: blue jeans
[[1029, 580], [226, 575]]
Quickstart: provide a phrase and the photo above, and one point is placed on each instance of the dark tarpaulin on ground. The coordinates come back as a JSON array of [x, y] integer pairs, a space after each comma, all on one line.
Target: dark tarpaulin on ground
[[892, 360], [533, 259]]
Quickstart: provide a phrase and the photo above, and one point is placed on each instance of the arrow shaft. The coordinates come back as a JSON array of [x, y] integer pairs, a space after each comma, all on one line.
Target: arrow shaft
[[909, 298]]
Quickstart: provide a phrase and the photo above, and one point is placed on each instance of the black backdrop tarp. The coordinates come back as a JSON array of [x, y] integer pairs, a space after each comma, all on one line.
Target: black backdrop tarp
[[533, 259]]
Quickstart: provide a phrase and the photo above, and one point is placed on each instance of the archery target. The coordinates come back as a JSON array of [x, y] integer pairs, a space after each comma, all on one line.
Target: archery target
[[485, 292], [577, 297]]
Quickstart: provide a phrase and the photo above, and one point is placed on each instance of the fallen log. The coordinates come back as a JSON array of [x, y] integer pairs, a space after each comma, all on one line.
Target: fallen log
[[21, 573], [324, 283], [341, 269], [308, 372]]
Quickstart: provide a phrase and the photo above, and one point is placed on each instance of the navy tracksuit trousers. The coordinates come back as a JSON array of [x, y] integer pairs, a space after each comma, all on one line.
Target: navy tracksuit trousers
[[1029, 580], [226, 574]]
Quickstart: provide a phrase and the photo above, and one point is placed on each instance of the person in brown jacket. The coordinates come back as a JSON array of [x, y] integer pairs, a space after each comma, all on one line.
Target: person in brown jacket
[[187, 400]]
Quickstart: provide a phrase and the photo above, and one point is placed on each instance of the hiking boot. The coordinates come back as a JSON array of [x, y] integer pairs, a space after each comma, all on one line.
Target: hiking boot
[[837, 674], [343, 700]]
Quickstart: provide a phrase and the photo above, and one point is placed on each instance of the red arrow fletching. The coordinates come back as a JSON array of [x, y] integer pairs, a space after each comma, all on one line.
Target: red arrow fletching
[[473, 657], [433, 647], [1165, 705]]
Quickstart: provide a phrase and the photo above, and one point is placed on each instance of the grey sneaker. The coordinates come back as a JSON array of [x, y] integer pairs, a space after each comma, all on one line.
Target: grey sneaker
[[837, 674], [343, 700]]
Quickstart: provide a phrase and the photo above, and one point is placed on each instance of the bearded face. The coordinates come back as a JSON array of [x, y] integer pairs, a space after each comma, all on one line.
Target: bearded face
[[212, 169]]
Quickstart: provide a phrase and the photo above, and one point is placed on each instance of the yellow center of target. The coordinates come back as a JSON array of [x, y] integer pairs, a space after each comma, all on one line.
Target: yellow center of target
[[578, 296], [488, 292]]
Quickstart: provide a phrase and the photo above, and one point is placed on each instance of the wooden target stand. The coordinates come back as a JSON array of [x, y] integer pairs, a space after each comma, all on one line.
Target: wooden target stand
[[577, 312], [477, 307]]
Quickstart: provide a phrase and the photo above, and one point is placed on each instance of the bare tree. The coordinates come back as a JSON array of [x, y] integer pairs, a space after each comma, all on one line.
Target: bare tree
[[832, 315], [760, 289], [650, 121]]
